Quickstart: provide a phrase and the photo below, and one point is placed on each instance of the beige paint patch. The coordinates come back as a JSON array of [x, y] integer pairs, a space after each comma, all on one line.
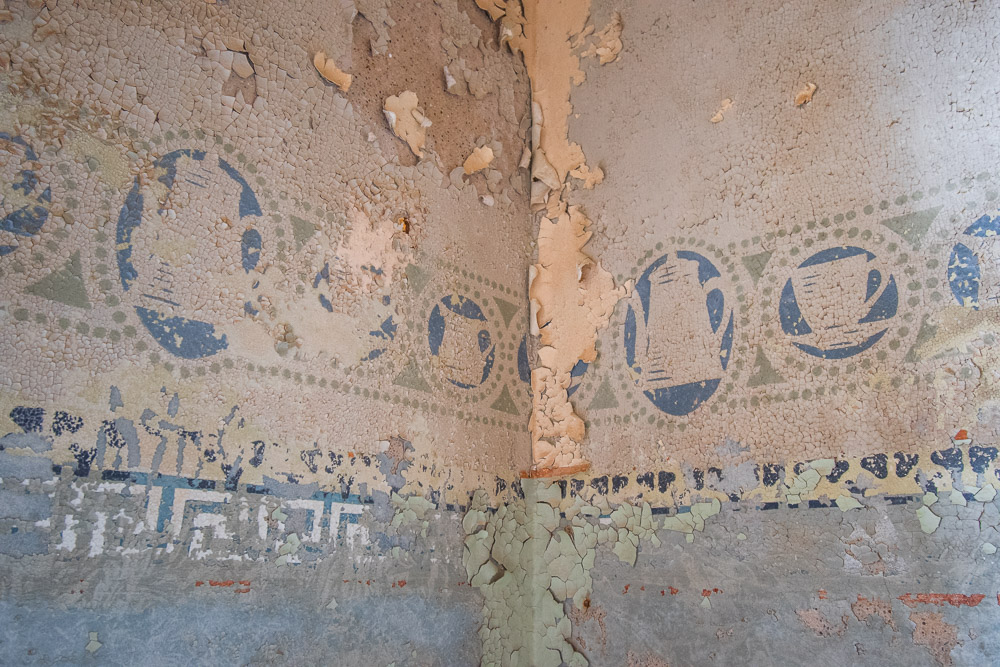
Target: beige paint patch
[[548, 33], [572, 297], [407, 121], [495, 8], [725, 106], [609, 42], [478, 160], [329, 71], [805, 95]]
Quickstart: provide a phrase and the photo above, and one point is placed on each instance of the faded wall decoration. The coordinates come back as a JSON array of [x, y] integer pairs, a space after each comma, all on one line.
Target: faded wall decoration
[[668, 287], [22, 193], [421, 333], [822, 314]]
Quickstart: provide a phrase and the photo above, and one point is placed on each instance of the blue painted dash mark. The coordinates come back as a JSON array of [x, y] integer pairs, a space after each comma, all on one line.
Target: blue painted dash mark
[[188, 339]]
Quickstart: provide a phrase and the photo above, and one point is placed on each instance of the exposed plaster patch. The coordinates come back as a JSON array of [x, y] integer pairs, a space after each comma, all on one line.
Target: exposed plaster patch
[[865, 608], [817, 621], [931, 631], [645, 660]]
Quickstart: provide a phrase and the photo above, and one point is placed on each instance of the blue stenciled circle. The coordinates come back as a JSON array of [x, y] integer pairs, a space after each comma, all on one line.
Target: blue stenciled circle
[[964, 270], [181, 336], [847, 331], [27, 218], [462, 326], [657, 347]]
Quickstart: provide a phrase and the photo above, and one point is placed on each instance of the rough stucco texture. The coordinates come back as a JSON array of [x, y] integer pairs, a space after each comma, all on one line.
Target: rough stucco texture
[[254, 346], [265, 390]]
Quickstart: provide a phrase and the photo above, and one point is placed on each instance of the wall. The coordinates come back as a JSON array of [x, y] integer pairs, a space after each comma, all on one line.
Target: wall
[[256, 346], [801, 384], [277, 357]]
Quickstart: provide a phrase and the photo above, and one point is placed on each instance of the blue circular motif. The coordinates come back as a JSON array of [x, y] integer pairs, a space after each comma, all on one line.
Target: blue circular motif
[[27, 219], [964, 269], [677, 329], [855, 325], [181, 336], [459, 332]]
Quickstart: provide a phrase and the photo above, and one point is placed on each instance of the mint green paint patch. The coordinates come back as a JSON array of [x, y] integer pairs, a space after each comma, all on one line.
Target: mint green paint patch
[[913, 226], [64, 285], [411, 378], [604, 398], [302, 231]]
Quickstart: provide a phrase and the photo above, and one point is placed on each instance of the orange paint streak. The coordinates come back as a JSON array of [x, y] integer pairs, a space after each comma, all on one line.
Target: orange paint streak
[[954, 599], [228, 582], [673, 591], [199, 583], [626, 589], [554, 472], [401, 582], [242, 590], [822, 594]]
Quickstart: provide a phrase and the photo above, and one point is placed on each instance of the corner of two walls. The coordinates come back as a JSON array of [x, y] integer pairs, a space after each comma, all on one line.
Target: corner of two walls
[[765, 379]]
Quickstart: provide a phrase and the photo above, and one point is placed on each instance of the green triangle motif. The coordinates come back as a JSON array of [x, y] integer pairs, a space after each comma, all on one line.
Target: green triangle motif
[[755, 264], [507, 310], [604, 398], [913, 226], [924, 334], [764, 372], [411, 378], [64, 285], [417, 278], [505, 403], [302, 231]]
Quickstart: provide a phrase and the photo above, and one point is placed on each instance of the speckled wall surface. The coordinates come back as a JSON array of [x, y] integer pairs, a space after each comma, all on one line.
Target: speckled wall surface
[[240, 313], [803, 379], [294, 295]]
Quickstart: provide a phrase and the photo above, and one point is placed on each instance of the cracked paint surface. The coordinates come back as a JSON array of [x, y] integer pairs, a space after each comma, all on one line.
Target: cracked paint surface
[[272, 369]]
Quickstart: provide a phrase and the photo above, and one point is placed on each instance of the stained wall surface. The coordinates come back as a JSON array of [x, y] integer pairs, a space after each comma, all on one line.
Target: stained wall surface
[[803, 196], [241, 316], [811, 280], [266, 387]]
